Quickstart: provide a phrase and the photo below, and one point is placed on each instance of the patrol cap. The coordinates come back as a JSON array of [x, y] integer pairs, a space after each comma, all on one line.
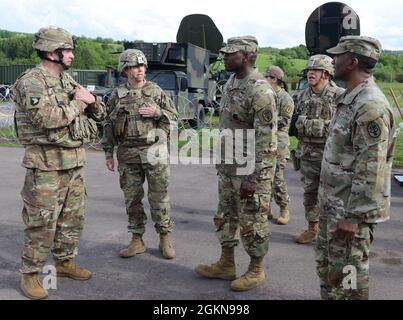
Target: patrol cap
[[365, 46], [275, 71], [245, 43]]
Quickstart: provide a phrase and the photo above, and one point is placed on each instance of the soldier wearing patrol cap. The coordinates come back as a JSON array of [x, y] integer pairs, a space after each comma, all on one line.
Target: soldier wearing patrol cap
[[54, 118], [285, 108], [248, 105], [315, 107], [136, 110], [354, 193], [253, 55]]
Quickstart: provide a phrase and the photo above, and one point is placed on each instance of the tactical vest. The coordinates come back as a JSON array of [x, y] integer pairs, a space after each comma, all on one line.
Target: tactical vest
[[81, 130], [128, 125], [315, 114]]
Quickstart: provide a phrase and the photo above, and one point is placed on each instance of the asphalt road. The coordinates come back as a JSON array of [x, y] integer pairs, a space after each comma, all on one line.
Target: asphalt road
[[290, 268]]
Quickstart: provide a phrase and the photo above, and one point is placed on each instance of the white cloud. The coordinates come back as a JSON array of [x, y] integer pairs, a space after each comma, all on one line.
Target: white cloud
[[274, 23]]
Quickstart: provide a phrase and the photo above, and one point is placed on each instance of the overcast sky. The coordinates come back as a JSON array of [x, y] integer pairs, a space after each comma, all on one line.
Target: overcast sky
[[279, 23]]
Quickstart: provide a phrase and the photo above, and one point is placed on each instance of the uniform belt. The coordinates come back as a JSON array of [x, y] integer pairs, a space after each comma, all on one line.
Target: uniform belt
[[313, 140]]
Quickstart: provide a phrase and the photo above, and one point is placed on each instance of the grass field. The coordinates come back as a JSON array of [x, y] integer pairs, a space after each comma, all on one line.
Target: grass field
[[264, 61], [8, 137], [7, 133]]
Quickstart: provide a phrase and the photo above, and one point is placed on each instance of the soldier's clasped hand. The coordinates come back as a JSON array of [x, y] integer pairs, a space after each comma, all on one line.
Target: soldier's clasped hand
[[247, 190], [110, 164], [148, 111], [82, 94], [345, 230]]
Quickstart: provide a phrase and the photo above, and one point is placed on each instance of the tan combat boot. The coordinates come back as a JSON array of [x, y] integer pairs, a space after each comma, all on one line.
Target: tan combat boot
[[69, 269], [253, 278], [309, 235], [284, 217], [166, 246], [136, 246], [32, 287], [222, 269]]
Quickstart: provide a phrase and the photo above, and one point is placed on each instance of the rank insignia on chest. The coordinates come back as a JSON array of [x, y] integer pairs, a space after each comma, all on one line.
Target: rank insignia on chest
[[374, 130], [34, 101]]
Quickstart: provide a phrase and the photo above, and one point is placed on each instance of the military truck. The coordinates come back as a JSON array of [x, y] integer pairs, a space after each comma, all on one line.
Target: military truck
[[323, 29], [181, 68], [96, 79]]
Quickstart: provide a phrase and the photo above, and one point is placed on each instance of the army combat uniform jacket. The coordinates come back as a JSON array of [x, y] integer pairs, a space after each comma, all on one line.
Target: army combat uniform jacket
[[357, 162], [50, 124], [250, 103]]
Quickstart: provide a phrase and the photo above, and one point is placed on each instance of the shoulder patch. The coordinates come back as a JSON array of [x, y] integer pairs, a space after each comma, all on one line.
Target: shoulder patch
[[288, 109], [374, 130], [34, 100], [266, 116]]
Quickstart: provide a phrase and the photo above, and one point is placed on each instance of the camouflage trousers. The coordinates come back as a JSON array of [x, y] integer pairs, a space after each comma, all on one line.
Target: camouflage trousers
[[343, 266], [132, 178], [310, 171], [280, 192], [242, 218], [53, 213]]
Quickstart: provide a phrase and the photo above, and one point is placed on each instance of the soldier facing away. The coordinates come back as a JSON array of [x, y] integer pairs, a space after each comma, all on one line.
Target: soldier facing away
[[248, 103], [285, 108], [135, 110], [315, 107], [354, 193], [54, 118]]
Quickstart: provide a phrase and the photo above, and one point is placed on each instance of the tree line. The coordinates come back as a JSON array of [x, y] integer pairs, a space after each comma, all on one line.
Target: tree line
[[16, 48]]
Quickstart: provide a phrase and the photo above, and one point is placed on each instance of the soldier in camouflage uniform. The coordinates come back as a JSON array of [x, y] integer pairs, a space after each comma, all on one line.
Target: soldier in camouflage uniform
[[315, 107], [54, 117], [285, 109], [248, 105], [354, 193], [136, 110]]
